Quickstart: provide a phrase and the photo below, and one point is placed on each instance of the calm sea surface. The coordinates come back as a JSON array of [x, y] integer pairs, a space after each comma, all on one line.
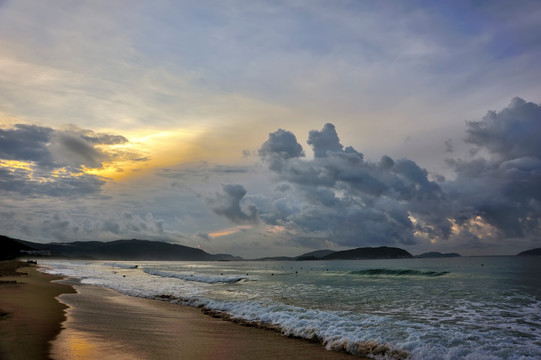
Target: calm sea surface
[[454, 308]]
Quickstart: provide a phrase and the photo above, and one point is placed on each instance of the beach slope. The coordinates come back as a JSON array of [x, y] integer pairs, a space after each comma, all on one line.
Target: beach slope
[[30, 316]]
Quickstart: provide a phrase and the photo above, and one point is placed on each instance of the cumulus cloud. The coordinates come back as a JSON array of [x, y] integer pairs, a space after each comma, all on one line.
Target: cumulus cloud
[[501, 183], [228, 203], [339, 197], [281, 146], [324, 141], [512, 133]]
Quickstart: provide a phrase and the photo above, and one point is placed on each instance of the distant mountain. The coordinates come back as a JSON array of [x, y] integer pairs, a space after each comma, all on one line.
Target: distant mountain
[[227, 257], [116, 250], [11, 248], [436, 254], [382, 252], [315, 255], [532, 252], [130, 250]]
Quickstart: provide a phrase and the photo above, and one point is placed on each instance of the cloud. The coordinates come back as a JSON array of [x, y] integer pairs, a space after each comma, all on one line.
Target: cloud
[[324, 141], [228, 203], [101, 138], [200, 171], [39, 183], [501, 183], [75, 151], [512, 133], [26, 143], [339, 197], [280, 146], [42, 161], [108, 225]]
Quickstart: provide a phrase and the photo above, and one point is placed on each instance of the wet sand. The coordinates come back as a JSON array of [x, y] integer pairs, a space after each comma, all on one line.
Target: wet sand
[[30, 316], [104, 324]]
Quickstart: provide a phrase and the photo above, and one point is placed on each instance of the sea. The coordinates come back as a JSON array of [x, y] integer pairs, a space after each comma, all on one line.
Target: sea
[[445, 308]]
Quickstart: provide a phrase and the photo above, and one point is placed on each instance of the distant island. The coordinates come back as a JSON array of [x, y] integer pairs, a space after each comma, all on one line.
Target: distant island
[[365, 253], [436, 254], [532, 252], [315, 255]]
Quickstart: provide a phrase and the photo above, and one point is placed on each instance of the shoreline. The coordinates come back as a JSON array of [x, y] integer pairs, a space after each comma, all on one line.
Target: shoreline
[[103, 323], [32, 316]]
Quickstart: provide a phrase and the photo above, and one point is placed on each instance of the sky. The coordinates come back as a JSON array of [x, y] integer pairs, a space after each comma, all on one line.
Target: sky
[[266, 128]]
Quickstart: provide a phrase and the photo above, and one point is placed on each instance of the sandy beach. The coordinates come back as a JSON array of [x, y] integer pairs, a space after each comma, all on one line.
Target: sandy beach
[[30, 314], [102, 324]]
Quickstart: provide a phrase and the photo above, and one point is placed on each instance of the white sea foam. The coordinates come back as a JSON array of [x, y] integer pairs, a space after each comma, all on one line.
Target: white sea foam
[[122, 265], [198, 277]]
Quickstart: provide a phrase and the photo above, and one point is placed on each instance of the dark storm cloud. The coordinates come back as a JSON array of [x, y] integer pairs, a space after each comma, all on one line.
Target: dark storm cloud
[[281, 146], [228, 204], [53, 160], [324, 141], [340, 197], [511, 133], [503, 186]]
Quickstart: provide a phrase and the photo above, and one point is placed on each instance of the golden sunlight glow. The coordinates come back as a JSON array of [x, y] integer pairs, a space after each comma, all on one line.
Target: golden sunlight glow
[[147, 150], [14, 164], [229, 231], [422, 234], [79, 348], [476, 226]]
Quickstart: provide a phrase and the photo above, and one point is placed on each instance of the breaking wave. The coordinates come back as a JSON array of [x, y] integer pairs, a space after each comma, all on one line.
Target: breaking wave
[[343, 332], [197, 277], [398, 272], [122, 266]]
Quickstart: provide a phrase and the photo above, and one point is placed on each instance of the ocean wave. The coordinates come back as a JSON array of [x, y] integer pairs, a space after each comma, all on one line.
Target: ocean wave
[[122, 266], [398, 272], [336, 331], [198, 277]]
